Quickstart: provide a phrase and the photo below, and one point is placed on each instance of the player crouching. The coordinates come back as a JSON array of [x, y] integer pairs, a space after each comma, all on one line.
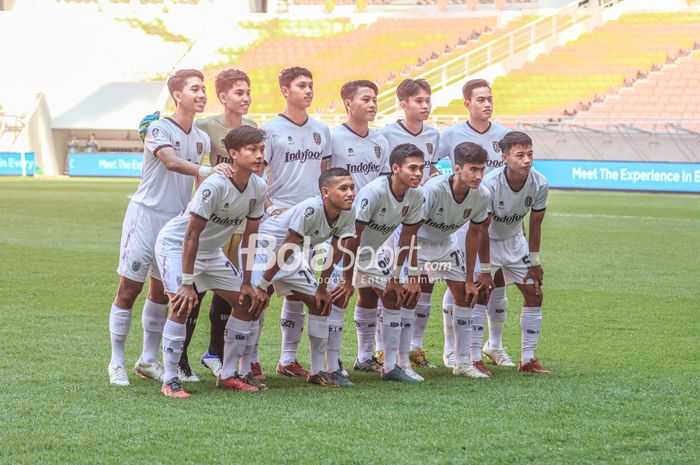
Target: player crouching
[[517, 190], [189, 255], [282, 261], [450, 202]]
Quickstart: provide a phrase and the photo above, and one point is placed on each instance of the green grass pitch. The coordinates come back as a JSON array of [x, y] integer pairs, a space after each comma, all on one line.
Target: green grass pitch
[[621, 332]]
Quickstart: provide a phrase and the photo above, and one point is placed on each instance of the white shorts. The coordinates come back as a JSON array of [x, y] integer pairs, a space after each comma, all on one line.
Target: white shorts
[[372, 270], [442, 260], [511, 255], [209, 273], [137, 248], [296, 275], [461, 237]]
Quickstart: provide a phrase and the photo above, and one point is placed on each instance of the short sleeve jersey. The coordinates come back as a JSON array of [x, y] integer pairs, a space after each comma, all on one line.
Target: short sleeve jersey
[[509, 207], [308, 219], [464, 132], [160, 189], [293, 155], [224, 207], [216, 129], [444, 215], [427, 140], [364, 157], [378, 207]]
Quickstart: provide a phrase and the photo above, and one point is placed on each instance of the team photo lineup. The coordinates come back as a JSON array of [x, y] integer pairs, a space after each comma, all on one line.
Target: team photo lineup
[[317, 215]]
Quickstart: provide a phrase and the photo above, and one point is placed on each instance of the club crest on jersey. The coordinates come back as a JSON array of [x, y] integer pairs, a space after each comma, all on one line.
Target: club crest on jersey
[[440, 210], [430, 148], [206, 193], [351, 152], [200, 148], [404, 211], [496, 148], [177, 145], [378, 151], [289, 139], [317, 138], [382, 211], [251, 204], [226, 206], [500, 204], [308, 212], [467, 213], [364, 203], [528, 201], [155, 132]]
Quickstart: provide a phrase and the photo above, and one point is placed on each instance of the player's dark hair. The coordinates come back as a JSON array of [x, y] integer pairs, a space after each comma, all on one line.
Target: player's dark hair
[[403, 151], [288, 75], [472, 84], [176, 82], [469, 152], [225, 79], [330, 174], [349, 89], [410, 87], [242, 136], [512, 139]]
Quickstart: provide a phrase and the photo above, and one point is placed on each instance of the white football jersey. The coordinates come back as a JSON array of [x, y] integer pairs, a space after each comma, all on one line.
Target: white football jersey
[[308, 219], [160, 189], [224, 207], [508, 208], [364, 157], [464, 132], [428, 140], [443, 215], [293, 155], [382, 212]]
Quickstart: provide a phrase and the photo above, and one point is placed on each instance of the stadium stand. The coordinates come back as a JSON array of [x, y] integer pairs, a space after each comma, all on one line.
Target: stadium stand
[[575, 75], [384, 51], [671, 92]]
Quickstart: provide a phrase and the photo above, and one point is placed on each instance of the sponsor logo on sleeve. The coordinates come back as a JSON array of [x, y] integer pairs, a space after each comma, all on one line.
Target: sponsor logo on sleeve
[[155, 132], [206, 193], [364, 203], [308, 212]]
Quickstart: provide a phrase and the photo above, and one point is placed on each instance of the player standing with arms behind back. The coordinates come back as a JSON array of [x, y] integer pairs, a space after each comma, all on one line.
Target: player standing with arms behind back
[[479, 129], [414, 99], [295, 147], [517, 189]]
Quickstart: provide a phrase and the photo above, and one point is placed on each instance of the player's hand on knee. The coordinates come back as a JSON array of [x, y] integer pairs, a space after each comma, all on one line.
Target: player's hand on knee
[[471, 293], [225, 169], [340, 296], [184, 301], [247, 295], [394, 289], [411, 293], [535, 275], [263, 301], [484, 284], [323, 301]]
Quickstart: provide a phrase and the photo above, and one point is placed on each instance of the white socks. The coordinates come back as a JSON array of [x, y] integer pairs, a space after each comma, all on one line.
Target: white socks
[[335, 337], [250, 347], [477, 336], [462, 333], [379, 345], [391, 335], [447, 304], [152, 319], [497, 310], [235, 341], [422, 313], [318, 339], [530, 323], [254, 357], [174, 335], [119, 324], [292, 325], [408, 322], [365, 324]]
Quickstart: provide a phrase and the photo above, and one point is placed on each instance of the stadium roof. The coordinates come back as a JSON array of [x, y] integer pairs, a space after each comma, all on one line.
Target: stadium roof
[[116, 105]]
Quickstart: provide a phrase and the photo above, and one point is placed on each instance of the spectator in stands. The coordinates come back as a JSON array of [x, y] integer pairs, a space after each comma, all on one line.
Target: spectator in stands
[[72, 143], [92, 146]]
